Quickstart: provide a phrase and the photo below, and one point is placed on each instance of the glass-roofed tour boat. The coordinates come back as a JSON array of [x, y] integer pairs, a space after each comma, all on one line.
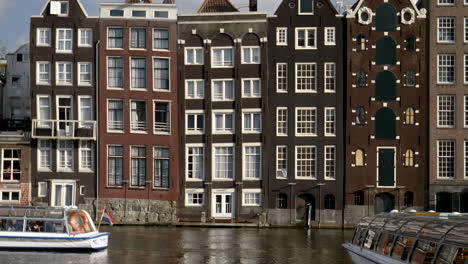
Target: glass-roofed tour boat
[[45, 228], [410, 238]]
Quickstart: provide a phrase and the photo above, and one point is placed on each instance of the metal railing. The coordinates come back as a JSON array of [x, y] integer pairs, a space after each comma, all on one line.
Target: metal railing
[[162, 127], [64, 129], [139, 126]]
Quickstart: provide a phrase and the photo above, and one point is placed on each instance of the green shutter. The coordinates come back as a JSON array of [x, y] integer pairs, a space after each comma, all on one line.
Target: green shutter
[[386, 51], [385, 86], [386, 17], [307, 6], [386, 167], [385, 127]]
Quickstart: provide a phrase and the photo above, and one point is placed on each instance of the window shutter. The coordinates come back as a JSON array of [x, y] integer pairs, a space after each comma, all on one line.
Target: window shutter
[[55, 8]]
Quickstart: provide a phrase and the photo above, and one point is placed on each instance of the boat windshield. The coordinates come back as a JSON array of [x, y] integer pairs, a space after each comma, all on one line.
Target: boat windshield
[[45, 226], [11, 225], [79, 222]]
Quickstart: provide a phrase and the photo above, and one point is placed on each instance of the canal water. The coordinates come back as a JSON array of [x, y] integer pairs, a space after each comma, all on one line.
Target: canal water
[[161, 245]]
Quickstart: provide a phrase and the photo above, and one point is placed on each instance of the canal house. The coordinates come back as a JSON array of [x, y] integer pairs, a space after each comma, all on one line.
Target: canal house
[[386, 108]]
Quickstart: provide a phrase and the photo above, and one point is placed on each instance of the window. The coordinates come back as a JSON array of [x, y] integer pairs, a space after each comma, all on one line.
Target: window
[[281, 77], [330, 121], [252, 121], [161, 167], [252, 162], [251, 197], [446, 111], [359, 198], [194, 197], [446, 159], [466, 28], [194, 56], [138, 73], [138, 13], [15, 82], [64, 73], [116, 13], [386, 51], [10, 196], [306, 77], [466, 69], [306, 38], [361, 78], [330, 75], [360, 158], [409, 158], [65, 155], [411, 43], [85, 111], [138, 120], [282, 201], [161, 74], [115, 115], [410, 78], [281, 121], [446, 29], [446, 69], [42, 189], [43, 37], [19, 57], [222, 57], [86, 155], [64, 40], [446, 2], [223, 90], [223, 162], [329, 202], [281, 162], [44, 149], [306, 124], [115, 156], [330, 163], [386, 17], [330, 36], [251, 88], [162, 117], [466, 159], [195, 121], [44, 111], [138, 38], [161, 39], [59, 8], [85, 71], [281, 36], [195, 162], [138, 166], [115, 38], [43, 73], [306, 7], [361, 43], [250, 55], [223, 122], [194, 89], [161, 14], [11, 164], [466, 110], [306, 159], [115, 73], [85, 37], [385, 124]]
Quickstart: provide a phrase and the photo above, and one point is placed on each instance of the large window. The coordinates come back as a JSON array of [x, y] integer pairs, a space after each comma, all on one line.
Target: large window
[[43, 37], [86, 156], [306, 38], [195, 122], [446, 111], [138, 120], [194, 56], [161, 74], [85, 37], [85, 113], [281, 121], [252, 121], [43, 73], [282, 77], [223, 162], [223, 90], [11, 164], [115, 115], [252, 161], [85, 73], [194, 89], [115, 72], [138, 166], [161, 39], [446, 29], [138, 38], [115, 38], [162, 117], [306, 77], [161, 167], [223, 122], [44, 153], [446, 69], [446, 159], [195, 162], [281, 162], [330, 77], [306, 121], [64, 73], [138, 73], [115, 156], [222, 57], [330, 162], [306, 162], [251, 88], [65, 155], [330, 121], [64, 40], [251, 55]]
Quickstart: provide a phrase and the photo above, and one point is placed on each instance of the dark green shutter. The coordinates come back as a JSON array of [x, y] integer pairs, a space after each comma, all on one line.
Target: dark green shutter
[[386, 167], [385, 86], [386, 18], [307, 6], [386, 51], [385, 127]]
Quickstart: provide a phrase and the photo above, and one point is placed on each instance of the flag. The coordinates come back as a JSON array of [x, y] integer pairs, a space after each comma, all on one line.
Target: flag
[[107, 217]]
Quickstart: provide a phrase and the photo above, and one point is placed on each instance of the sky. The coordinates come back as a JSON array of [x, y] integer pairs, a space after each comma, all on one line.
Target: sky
[[15, 15]]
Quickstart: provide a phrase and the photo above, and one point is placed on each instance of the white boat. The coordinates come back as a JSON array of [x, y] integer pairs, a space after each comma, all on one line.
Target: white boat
[[42, 228]]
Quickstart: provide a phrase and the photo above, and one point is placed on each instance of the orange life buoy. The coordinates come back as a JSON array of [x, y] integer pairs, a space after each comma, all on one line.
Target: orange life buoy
[[75, 225]]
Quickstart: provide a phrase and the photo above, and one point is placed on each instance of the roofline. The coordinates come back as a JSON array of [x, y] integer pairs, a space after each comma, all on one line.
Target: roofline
[[48, 1], [138, 4], [421, 12], [224, 14]]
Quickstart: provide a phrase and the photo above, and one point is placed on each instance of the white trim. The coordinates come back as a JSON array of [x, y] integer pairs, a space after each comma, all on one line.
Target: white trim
[[223, 62], [80, 168], [38, 82], [306, 13], [314, 122], [130, 73], [44, 185], [285, 172], [325, 161], [259, 145], [251, 81], [80, 31], [57, 40], [314, 64], [394, 168], [287, 123], [325, 122], [130, 37], [123, 73], [454, 29], [194, 191], [213, 161], [224, 90], [196, 87], [251, 111], [169, 103], [10, 191], [306, 47], [130, 116], [2, 169], [203, 171], [194, 58], [285, 42], [38, 158], [325, 31], [63, 183], [67, 170], [254, 191], [107, 115], [196, 113], [57, 81], [168, 73], [286, 77], [38, 37], [90, 73], [325, 77], [107, 39], [168, 39], [80, 97], [213, 121], [223, 193], [314, 148], [251, 48]]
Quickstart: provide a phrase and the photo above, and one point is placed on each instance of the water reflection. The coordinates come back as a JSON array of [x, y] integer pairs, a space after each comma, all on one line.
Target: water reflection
[[203, 245]]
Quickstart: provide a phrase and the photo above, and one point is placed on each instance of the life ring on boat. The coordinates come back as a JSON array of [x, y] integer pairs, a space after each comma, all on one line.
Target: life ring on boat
[[75, 224]]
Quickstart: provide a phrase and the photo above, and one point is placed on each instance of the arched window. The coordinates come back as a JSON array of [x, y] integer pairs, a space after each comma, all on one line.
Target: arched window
[[329, 201], [385, 86], [385, 127], [359, 197], [361, 42], [409, 116], [360, 116], [386, 51], [410, 78], [411, 43], [360, 158], [361, 78], [386, 17], [282, 201], [408, 199], [409, 158]]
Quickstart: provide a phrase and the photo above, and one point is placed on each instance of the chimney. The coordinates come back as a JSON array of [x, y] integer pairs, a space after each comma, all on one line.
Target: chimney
[[253, 6]]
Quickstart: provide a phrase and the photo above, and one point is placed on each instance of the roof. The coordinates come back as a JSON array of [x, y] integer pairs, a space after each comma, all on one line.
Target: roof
[[215, 6]]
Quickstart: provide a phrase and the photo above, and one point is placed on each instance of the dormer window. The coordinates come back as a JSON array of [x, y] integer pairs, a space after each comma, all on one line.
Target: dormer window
[[306, 7], [161, 14], [116, 13], [59, 8], [138, 13]]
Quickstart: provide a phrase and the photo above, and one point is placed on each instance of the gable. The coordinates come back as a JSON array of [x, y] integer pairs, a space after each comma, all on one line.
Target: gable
[[75, 9], [320, 7]]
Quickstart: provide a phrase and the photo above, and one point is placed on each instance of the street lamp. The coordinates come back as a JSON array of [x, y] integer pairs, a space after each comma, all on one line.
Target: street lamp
[[368, 187]]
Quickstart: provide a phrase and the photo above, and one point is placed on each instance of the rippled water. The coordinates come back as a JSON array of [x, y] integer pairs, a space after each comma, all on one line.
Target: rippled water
[[204, 245]]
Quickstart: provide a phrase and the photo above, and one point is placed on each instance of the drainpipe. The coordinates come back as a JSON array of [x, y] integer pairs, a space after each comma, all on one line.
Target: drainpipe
[[96, 70]]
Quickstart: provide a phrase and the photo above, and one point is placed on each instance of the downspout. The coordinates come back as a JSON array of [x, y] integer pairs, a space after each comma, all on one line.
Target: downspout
[[96, 104]]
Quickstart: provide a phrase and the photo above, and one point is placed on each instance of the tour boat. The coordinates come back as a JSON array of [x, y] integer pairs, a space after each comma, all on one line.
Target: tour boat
[[42, 228], [410, 238]]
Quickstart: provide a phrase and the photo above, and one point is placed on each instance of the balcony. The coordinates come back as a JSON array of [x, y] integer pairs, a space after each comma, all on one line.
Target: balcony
[[64, 129], [162, 127]]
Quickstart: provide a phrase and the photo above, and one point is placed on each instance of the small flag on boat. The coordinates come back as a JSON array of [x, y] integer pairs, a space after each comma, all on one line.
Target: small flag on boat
[[107, 217]]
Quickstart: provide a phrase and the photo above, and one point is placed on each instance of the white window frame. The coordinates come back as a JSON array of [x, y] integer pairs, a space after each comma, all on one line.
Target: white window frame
[[454, 111], [454, 66], [194, 191], [306, 39], [278, 109], [68, 170], [168, 39], [38, 73], [42, 186], [107, 73], [80, 117], [131, 119], [285, 77], [123, 116], [465, 157], [329, 77], [39, 149], [130, 36], [195, 131], [53, 183], [47, 31], [313, 77], [213, 163], [123, 39], [313, 149], [224, 112], [80, 82], [306, 13], [168, 59], [465, 111], [251, 191], [38, 111], [279, 41], [252, 112], [465, 28], [465, 69], [131, 75], [169, 125], [224, 65], [244, 161], [454, 158], [314, 122], [57, 80], [326, 122], [224, 90], [57, 41], [440, 3], [3, 159], [285, 147], [454, 29], [326, 159], [251, 82], [195, 49], [90, 43], [327, 41], [187, 147], [252, 61], [199, 92], [10, 201], [91, 150]]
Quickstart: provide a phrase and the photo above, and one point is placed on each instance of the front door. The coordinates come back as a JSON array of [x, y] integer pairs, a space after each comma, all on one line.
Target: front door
[[64, 113], [63, 194], [223, 205], [386, 167]]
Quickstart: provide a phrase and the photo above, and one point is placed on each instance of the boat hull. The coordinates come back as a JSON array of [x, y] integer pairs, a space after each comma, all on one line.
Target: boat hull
[[364, 256]]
